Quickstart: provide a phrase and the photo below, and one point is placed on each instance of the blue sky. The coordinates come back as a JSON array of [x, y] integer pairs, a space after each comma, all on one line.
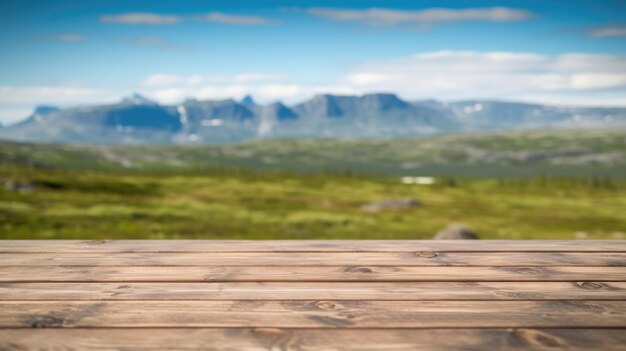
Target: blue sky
[[82, 52]]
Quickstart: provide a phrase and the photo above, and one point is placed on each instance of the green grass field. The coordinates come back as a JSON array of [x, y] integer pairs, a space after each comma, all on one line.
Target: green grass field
[[306, 189], [279, 205]]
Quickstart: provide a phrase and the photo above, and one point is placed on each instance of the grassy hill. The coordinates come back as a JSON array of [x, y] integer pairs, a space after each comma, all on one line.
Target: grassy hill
[[514, 154], [262, 190]]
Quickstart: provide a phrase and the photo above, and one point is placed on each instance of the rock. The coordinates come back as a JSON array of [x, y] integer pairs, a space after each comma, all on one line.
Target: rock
[[456, 232], [391, 204], [581, 235], [20, 187]]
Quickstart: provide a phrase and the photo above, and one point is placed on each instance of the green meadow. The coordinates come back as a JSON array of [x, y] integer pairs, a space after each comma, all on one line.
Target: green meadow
[[316, 189], [280, 205]]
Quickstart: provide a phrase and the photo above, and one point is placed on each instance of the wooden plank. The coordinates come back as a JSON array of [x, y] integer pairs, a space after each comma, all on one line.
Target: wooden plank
[[314, 314], [316, 291], [17, 246], [307, 273], [419, 258], [267, 339]]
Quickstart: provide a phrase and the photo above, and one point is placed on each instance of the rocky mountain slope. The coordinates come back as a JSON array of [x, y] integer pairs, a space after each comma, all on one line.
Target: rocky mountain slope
[[137, 120]]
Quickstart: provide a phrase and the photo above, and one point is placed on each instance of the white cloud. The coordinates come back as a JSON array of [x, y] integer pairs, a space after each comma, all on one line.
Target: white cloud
[[265, 87], [279, 91], [221, 92], [219, 17], [567, 79], [17, 103], [608, 32], [14, 113], [446, 75], [366, 78], [390, 17], [169, 96], [161, 79], [503, 75], [56, 95], [140, 18], [263, 93], [589, 81]]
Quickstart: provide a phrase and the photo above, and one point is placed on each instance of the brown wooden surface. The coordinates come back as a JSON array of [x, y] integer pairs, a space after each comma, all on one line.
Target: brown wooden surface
[[314, 290], [117, 246], [313, 295], [313, 314], [307, 273], [419, 258], [338, 339]]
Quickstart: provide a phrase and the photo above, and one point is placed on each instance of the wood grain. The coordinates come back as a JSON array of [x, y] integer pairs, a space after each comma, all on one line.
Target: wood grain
[[308, 273], [313, 295], [313, 314], [418, 258], [273, 339], [311, 291], [30, 246]]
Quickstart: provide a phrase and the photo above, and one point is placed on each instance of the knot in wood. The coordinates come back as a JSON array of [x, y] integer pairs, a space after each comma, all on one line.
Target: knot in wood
[[528, 270], [47, 322], [358, 270], [590, 285], [326, 305], [426, 254]]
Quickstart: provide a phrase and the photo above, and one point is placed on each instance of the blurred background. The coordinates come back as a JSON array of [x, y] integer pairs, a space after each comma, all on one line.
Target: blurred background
[[312, 119]]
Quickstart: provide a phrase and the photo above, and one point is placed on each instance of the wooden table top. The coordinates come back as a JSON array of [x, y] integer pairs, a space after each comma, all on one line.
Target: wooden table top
[[313, 295]]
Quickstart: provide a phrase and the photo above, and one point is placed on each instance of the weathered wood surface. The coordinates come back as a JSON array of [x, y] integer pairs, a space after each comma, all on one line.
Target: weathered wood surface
[[307, 273], [381, 291], [339, 339], [313, 295], [418, 258], [313, 314], [23, 246]]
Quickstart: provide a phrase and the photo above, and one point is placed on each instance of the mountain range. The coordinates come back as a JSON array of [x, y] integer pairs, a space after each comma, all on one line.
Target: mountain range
[[138, 120]]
